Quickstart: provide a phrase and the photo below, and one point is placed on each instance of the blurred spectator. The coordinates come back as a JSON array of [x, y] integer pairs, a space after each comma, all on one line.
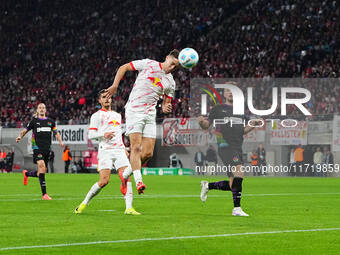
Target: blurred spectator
[[67, 157], [261, 152], [255, 163], [2, 160], [298, 158], [291, 161], [9, 161], [327, 159], [317, 160], [78, 166], [199, 160]]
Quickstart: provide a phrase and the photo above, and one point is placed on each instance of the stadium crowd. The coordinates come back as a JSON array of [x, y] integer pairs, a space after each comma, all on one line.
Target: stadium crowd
[[63, 52]]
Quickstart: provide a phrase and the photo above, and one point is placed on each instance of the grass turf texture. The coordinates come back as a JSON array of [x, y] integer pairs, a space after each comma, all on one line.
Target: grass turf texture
[[274, 204]]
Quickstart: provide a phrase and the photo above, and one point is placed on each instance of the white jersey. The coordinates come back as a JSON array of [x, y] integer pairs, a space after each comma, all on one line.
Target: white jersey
[[104, 121], [151, 83]]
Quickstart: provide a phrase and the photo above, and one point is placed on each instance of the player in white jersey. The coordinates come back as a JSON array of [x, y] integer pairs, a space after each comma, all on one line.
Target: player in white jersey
[[154, 80], [105, 126]]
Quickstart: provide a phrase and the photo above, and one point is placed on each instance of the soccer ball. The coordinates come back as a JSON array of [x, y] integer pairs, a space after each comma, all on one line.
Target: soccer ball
[[188, 58]]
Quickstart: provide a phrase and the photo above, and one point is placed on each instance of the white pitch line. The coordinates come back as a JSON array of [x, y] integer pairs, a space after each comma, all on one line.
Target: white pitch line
[[167, 238], [108, 197]]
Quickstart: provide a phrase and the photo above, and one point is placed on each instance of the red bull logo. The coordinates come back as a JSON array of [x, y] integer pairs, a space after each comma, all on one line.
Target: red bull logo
[[114, 123], [155, 81]]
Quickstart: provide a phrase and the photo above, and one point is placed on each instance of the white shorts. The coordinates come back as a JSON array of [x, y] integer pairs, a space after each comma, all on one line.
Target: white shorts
[[107, 159], [140, 123]]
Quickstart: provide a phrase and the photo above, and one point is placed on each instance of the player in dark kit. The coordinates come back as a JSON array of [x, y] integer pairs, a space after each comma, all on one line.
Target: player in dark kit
[[230, 140], [42, 129]]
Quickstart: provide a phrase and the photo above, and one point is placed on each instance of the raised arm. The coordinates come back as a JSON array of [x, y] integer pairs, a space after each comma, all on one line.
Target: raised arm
[[119, 76], [203, 122], [248, 128]]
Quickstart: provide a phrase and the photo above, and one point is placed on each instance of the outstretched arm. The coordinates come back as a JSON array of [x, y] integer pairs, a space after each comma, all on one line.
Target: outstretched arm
[[21, 135], [119, 76]]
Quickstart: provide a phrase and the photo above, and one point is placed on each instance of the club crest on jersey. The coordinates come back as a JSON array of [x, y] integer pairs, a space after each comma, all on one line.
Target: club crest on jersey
[[235, 159], [114, 123], [49, 123], [155, 81]]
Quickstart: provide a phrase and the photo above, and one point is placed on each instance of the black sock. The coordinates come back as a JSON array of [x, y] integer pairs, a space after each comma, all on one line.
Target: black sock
[[236, 189], [42, 183], [32, 174], [222, 185]]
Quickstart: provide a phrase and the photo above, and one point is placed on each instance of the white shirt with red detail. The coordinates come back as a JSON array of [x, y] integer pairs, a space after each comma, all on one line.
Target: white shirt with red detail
[[151, 83], [104, 121]]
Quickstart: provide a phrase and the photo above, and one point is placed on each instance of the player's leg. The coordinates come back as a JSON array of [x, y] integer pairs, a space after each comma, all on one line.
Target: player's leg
[[121, 162], [135, 160], [37, 155], [236, 189], [148, 145], [41, 175], [128, 196], [224, 185], [104, 178]]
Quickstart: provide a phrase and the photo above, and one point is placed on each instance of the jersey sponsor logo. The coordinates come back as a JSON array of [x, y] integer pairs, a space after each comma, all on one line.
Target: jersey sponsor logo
[[44, 129], [156, 81], [114, 123]]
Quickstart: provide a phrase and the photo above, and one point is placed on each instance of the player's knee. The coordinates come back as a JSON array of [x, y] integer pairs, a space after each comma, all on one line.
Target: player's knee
[[147, 155], [103, 182], [41, 167]]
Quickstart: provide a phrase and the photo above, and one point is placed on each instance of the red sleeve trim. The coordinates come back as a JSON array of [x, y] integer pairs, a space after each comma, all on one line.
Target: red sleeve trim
[[160, 66], [93, 128], [167, 96], [133, 67]]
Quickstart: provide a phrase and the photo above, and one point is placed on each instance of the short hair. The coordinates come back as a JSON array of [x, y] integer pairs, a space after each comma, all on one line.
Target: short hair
[[100, 93], [174, 53]]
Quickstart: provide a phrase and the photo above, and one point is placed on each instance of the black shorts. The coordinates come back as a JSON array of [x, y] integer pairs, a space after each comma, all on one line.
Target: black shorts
[[2, 164], [230, 156], [41, 155]]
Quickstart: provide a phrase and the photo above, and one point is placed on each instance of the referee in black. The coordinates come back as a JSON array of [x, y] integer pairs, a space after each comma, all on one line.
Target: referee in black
[[230, 139], [42, 129]]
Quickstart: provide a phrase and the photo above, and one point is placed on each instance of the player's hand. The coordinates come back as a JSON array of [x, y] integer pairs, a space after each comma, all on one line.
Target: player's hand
[[109, 135], [18, 139], [110, 91], [259, 122], [166, 108], [201, 119], [62, 145]]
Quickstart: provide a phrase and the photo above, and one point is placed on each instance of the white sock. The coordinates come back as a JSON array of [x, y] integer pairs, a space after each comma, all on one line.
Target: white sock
[[127, 172], [137, 176], [129, 196], [95, 189]]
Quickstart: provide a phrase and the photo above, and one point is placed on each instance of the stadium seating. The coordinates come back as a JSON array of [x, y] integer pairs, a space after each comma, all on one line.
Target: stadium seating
[[63, 52]]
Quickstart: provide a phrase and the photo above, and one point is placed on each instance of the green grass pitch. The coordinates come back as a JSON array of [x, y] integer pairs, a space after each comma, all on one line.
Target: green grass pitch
[[171, 208]]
